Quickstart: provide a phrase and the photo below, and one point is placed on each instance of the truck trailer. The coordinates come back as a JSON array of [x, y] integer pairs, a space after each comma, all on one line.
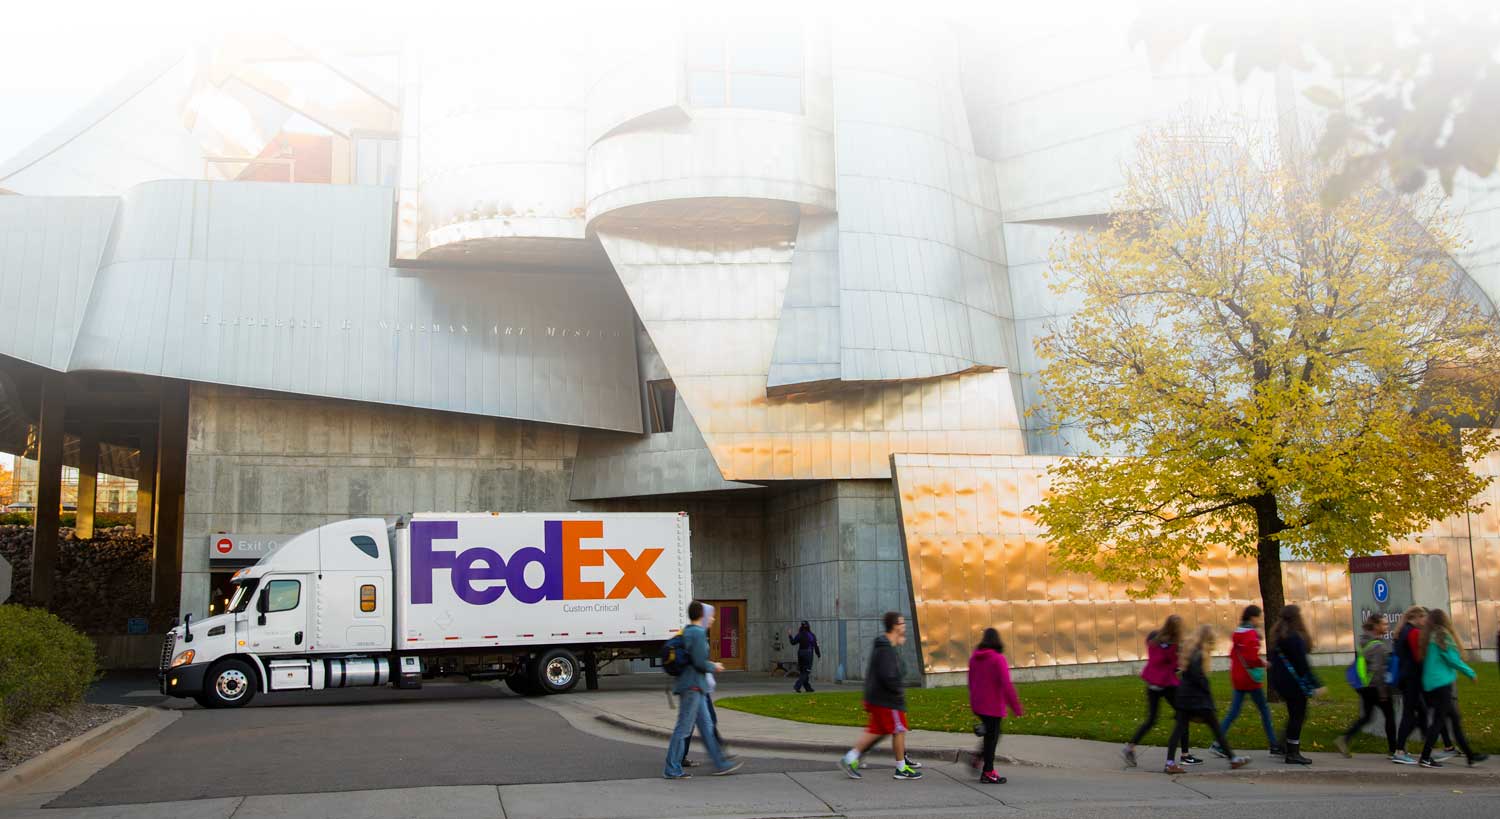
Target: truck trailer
[[534, 599]]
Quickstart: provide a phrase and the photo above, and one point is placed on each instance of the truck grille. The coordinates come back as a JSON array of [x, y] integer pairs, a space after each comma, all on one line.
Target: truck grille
[[167, 646]]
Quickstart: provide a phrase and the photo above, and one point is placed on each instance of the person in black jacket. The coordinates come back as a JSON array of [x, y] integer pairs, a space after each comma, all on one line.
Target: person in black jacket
[[1293, 678], [885, 701], [1195, 702], [807, 648]]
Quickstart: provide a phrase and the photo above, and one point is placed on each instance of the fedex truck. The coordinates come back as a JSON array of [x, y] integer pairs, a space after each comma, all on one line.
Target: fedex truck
[[535, 599]]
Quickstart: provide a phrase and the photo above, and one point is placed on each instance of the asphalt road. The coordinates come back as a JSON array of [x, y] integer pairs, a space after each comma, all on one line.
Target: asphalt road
[[366, 739]]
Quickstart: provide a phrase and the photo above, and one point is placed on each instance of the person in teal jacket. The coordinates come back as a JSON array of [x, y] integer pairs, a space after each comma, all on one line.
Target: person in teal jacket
[[1442, 662]]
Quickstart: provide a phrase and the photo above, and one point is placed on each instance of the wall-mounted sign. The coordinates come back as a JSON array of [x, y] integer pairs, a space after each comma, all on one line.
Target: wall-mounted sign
[[1389, 584], [230, 546], [136, 625]]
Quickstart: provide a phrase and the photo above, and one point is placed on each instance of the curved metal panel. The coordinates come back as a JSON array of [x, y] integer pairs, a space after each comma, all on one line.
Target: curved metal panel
[[49, 255], [287, 287]]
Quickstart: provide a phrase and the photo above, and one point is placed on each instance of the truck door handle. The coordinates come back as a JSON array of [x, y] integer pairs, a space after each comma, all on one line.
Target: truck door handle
[[297, 638]]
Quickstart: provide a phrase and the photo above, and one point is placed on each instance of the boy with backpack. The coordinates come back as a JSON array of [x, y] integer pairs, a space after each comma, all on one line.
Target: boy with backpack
[[692, 688], [1367, 675]]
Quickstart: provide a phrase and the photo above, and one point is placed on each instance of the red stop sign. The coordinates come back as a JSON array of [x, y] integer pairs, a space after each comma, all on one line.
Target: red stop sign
[[224, 545]]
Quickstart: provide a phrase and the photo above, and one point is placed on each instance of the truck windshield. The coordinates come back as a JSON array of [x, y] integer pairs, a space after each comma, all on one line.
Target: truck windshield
[[243, 589]]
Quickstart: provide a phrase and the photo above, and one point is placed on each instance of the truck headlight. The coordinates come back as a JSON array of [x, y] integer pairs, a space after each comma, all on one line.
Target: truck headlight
[[183, 658]]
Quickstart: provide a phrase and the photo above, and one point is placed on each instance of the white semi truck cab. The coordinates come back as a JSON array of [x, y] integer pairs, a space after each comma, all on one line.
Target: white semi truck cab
[[534, 598]]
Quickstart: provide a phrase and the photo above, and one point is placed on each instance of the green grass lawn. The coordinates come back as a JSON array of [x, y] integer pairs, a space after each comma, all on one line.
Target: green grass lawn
[[1110, 708]]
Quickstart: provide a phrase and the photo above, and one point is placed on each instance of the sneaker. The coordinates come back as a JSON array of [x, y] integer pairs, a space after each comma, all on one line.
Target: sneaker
[[1189, 759], [679, 776], [1342, 743], [1429, 763], [904, 772], [1446, 753], [1475, 759], [1403, 758], [911, 763], [851, 767], [1276, 750], [1239, 762], [991, 778], [1129, 754], [1173, 768], [730, 768], [1217, 751]]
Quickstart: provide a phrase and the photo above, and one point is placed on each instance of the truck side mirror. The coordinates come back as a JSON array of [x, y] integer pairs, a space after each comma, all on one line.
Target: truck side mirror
[[263, 604]]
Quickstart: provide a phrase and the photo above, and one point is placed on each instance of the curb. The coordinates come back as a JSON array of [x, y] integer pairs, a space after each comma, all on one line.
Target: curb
[[1458, 776], [48, 761], [803, 746]]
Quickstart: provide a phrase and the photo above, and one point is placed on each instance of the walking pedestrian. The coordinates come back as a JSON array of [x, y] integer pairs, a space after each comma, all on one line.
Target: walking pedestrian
[[1161, 679], [1247, 675], [992, 697], [708, 697], [1409, 652], [885, 701], [1293, 677], [1195, 702], [1375, 652], [1440, 669], [692, 707], [807, 649]]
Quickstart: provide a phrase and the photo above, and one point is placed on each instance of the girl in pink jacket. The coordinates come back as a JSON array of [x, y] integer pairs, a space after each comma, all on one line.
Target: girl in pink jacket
[[992, 697]]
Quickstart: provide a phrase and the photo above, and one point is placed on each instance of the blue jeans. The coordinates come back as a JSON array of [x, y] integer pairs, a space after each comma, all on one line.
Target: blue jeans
[[1259, 697], [692, 711]]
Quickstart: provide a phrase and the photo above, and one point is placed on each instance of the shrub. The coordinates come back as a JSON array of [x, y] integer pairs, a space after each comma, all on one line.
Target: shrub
[[67, 520], [44, 664]]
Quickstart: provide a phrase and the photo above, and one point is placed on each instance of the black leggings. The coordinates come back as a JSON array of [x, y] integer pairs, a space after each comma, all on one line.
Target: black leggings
[[1206, 716], [1441, 708], [1154, 696], [1369, 700], [1414, 714], [990, 742], [1296, 714]]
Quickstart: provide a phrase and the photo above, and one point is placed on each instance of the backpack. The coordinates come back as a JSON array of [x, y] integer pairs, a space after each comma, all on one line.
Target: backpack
[[1358, 672], [672, 659]]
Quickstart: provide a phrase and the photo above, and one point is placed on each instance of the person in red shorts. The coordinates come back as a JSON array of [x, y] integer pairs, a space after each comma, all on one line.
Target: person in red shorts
[[885, 701]]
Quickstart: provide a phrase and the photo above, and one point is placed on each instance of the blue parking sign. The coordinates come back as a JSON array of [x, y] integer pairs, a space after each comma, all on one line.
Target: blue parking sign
[[1382, 590]]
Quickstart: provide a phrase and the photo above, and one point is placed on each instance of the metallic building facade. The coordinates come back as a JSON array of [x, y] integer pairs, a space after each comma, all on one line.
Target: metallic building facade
[[828, 236]]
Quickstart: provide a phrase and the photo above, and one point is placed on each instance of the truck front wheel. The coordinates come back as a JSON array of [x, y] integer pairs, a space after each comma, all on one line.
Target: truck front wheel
[[557, 671], [230, 684]]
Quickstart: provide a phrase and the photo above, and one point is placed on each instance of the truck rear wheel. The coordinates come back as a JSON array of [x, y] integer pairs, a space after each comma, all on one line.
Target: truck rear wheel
[[230, 684], [557, 671]]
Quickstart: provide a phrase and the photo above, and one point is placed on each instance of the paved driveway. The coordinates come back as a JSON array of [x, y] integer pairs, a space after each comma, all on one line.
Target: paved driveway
[[366, 739]]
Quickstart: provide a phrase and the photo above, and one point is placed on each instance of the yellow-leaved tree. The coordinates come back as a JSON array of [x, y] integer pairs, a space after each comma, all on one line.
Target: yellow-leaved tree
[[1272, 373]]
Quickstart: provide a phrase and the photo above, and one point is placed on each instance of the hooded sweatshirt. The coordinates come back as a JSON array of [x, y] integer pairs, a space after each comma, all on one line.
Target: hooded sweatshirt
[[1442, 665], [1244, 654], [883, 679], [991, 693], [1161, 663]]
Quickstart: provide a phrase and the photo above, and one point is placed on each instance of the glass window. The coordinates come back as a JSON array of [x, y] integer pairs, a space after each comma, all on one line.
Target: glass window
[[760, 70], [284, 595], [766, 92], [366, 544], [367, 597], [663, 398], [243, 592], [375, 160], [706, 88]]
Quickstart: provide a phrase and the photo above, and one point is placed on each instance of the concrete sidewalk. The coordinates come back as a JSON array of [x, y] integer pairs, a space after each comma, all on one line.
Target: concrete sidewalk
[[647, 710]]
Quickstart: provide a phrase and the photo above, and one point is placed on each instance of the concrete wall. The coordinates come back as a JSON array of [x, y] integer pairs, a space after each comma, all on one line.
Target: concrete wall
[[834, 559], [271, 463]]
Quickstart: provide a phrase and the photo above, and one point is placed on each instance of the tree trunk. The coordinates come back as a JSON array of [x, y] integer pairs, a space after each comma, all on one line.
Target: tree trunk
[[1268, 557], [1268, 567]]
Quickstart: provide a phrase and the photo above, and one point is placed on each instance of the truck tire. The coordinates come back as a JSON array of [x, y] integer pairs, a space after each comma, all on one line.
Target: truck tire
[[522, 683], [230, 684], [557, 671]]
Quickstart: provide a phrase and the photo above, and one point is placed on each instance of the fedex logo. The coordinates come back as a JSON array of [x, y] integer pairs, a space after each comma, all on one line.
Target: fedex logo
[[480, 576]]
